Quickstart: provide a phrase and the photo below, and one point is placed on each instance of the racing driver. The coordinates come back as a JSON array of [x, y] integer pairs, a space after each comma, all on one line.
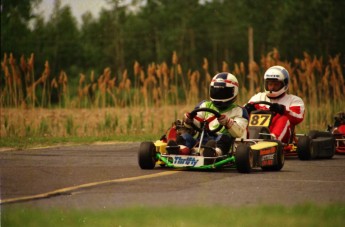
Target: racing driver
[[288, 108], [223, 92]]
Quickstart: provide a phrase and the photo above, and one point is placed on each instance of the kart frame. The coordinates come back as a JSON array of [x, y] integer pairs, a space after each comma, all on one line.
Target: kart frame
[[314, 145], [244, 155]]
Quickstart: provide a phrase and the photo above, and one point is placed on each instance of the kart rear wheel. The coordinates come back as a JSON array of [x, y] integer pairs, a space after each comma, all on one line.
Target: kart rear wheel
[[323, 144], [280, 159], [244, 158], [304, 148], [147, 155]]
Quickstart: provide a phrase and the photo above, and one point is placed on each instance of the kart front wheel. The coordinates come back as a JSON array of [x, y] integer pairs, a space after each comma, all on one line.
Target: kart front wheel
[[244, 158], [147, 155], [280, 159]]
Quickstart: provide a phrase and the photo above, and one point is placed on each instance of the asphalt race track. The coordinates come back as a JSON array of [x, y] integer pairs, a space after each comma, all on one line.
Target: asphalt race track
[[107, 175]]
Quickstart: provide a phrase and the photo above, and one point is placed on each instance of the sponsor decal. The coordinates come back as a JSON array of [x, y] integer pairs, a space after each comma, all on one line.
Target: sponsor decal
[[187, 161], [271, 150], [272, 76], [267, 160], [267, 157], [267, 163]]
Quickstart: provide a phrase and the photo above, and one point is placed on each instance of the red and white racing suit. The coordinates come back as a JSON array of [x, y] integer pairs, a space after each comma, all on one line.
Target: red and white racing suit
[[281, 124]]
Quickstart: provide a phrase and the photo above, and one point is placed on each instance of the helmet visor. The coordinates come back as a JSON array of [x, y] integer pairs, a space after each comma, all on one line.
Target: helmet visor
[[222, 93], [273, 85]]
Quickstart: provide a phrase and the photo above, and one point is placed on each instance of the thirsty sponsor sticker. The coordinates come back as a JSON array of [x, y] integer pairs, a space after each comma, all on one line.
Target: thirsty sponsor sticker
[[184, 161]]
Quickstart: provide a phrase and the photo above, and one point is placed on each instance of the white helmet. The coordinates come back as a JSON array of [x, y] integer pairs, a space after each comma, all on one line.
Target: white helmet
[[277, 73], [223, 89]]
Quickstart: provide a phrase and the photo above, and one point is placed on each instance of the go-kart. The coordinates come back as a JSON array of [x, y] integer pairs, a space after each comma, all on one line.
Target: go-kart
[[244, 155], [339, 142], [314, 145], [338, 131]]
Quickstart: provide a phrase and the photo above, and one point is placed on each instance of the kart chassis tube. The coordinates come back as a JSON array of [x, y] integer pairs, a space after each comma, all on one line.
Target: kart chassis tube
[[218, 164]]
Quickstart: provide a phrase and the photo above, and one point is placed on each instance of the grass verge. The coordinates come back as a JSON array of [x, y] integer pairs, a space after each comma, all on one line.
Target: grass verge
[[267, 215], [29, 142]]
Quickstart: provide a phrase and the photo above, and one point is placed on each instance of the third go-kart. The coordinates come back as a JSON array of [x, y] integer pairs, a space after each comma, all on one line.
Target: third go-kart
[[314, 145], [244, 155], [340, 142], [338, 131]]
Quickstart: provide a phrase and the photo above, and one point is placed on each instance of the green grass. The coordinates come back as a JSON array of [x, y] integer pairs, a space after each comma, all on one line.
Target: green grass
[[273, 215], [29, 142]]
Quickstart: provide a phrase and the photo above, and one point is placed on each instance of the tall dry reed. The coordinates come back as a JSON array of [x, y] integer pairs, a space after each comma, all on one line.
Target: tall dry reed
[[320, 83]]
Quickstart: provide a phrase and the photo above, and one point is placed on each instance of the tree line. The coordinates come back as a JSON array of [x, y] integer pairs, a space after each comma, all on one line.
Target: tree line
[[149, 31]]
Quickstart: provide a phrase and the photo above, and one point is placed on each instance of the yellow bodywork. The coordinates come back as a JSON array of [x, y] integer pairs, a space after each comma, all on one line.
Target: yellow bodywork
[[161, 148], [263, 145]]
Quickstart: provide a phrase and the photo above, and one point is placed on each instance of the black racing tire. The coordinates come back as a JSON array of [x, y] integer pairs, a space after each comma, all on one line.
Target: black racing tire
[[280, 159], [324, 147], [313, 134], [334, 150], [147, 155], [304, 148], [321, 145], [244, 158]]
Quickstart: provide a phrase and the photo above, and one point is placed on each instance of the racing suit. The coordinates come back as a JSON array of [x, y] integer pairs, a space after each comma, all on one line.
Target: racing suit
[[282, 124], [223, 137]]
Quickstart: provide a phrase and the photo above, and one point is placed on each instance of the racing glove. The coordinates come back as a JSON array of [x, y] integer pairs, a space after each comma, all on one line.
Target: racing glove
[[250, 107], [187, 120], [225, 120], [278, 108]]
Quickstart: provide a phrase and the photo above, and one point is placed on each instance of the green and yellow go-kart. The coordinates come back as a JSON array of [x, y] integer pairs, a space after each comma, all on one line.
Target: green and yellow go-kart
[[244, 155], [314, 145]]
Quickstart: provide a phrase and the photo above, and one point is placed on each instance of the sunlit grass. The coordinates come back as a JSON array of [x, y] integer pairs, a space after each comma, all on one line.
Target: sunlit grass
[[267, 215]]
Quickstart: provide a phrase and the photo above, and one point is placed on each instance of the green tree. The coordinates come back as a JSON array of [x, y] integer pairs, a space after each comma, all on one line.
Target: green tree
[[15, 32], [315, 26], [92, 43], [63, 40], [150, 30]]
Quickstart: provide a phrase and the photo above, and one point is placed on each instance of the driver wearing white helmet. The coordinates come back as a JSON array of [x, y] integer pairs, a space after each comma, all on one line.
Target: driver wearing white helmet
[[288, 109], [223, 92]]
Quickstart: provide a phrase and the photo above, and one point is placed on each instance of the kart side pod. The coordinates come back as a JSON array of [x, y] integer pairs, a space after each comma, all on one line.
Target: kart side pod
[[268, 155], [316, 145]]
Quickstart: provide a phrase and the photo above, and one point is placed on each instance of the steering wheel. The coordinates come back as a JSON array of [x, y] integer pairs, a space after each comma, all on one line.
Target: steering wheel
[[262, 102], [203, 121]]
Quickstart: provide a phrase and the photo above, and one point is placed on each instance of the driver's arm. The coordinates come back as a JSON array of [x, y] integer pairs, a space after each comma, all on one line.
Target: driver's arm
[[238, 128], [240, 122], [295, 111]]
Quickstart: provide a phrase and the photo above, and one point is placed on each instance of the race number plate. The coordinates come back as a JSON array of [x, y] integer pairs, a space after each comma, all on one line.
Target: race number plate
[[260, 120]]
